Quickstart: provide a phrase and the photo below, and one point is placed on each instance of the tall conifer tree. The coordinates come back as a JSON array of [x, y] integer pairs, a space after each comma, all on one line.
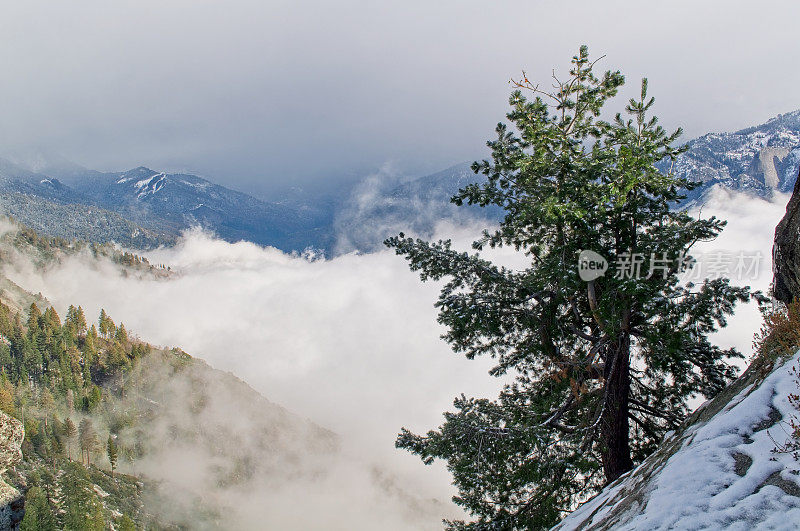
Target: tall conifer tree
[[598, 370]]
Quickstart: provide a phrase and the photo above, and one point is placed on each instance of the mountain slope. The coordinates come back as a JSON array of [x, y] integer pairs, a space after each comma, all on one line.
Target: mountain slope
[[373, 213], [47, 205], [192, 441], [718, 471], [143, 208], [759, 160], [159, 203], [80, 222], [174, 202]]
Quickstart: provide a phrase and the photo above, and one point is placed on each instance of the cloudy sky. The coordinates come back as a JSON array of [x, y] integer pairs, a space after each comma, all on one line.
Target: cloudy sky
[[264, 95]]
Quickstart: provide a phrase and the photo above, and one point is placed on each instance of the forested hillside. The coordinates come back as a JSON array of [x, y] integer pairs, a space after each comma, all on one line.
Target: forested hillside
[[104, 413], [57, 377]]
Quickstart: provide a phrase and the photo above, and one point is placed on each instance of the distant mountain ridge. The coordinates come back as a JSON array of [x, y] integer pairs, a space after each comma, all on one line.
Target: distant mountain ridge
[[144, 208], [759, 160], [174, 202]]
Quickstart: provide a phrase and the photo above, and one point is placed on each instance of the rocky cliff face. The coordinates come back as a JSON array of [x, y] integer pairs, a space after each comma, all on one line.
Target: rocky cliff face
[[12, 502], [786, 251], [720, 470]]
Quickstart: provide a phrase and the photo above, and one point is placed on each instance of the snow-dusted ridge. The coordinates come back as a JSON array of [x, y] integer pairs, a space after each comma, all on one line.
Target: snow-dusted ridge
[[757, 160], [719, 471]]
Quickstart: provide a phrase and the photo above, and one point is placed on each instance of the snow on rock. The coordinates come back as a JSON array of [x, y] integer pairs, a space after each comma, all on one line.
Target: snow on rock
[[150, 185], [759, 160], [718, 471]]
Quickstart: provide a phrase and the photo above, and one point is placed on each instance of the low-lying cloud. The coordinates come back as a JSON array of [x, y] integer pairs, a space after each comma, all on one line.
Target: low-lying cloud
[[351, 342]]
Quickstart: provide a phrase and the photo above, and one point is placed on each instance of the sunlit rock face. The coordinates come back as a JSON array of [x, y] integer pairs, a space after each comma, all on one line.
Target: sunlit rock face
[[786, 251], [12, 501]]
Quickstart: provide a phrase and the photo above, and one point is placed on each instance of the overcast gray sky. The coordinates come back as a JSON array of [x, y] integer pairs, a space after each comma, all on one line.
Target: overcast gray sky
[[262, 95]]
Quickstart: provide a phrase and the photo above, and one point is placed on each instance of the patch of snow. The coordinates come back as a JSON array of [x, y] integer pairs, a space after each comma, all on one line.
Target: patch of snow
[[200, 186], [698, 487], [144, 182], [151, 185]]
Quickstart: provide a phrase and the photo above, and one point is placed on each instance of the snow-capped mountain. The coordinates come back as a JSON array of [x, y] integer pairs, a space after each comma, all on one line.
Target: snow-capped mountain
[[759, 160], [161, 203], [47, 205], [144, 207], [173, 202]]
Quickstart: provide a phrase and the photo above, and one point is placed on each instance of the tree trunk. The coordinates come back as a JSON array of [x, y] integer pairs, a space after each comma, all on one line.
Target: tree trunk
[[614, 429]]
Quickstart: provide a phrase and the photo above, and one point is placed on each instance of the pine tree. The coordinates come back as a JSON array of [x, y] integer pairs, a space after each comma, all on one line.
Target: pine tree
[[601, 368], [82, 509], [111, 451], [39, 514], [7, 396], [46, 401], [126, 523], [70, 398], [104, 323], [87, 438], [80, 321], [34, 314], [69, 435], [121, 336], [51, 319]]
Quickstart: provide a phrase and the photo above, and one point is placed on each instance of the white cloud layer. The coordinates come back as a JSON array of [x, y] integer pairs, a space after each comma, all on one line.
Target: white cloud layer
[[351, 343]]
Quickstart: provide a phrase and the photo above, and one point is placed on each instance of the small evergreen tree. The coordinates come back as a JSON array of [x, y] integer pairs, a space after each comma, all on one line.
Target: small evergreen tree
[[121, 335], [93, 398], [34, 314], [80, 321], [39, 514], [111, 451], [82, 509], [69, 435], [87, 438], [105, 324], [70, 398], [602, 368], [126, 523]]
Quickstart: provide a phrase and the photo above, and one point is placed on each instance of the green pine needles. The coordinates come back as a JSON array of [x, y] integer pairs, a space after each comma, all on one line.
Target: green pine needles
[[601, 369]]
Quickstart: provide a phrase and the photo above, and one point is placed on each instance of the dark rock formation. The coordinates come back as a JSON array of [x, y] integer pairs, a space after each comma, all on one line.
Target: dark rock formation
[[786, 251]]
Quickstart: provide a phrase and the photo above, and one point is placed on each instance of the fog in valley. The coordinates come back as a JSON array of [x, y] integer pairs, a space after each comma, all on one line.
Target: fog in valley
[[351, 343]]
